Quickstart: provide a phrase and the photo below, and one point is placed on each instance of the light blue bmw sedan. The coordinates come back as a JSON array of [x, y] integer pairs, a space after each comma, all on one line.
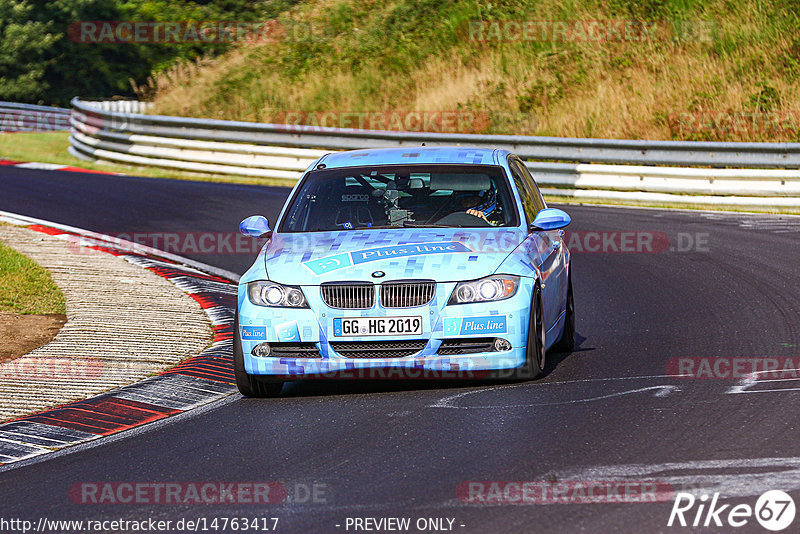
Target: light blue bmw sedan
[[418, 262]]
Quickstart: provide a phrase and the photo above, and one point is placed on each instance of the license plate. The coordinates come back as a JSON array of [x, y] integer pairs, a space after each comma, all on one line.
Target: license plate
[[377, 326]]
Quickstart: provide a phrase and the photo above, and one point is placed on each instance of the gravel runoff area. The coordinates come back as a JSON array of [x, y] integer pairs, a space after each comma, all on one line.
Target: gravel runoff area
[[124, 323]]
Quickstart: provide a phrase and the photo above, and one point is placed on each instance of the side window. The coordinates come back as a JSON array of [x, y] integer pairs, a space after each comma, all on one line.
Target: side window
[[535, 193], [528, 204]]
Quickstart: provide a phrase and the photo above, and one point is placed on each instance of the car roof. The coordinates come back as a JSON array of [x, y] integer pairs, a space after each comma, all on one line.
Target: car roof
[[413, 154]]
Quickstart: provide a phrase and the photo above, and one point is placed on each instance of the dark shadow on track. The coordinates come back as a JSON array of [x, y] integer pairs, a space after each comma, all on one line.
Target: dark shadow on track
[[317, 388], [359, 386], [554, 359]]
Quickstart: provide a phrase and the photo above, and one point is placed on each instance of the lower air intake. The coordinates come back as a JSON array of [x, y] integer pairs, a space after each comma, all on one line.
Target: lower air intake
[[378, 349], [465, 346], [294, 350]]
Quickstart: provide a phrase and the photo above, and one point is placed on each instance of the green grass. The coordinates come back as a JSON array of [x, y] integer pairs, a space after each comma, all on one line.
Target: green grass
[[704, 64], [51, 147], [26, 287]]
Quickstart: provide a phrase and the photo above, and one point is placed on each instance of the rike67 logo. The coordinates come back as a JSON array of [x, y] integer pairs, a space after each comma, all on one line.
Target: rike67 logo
[[774, 510]]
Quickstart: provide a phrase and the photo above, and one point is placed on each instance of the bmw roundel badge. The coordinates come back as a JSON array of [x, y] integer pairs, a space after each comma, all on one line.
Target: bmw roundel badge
[[378, 274]]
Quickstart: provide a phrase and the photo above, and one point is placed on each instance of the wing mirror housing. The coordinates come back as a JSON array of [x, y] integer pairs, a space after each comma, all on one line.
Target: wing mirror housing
[[255, 226], [550, 219]]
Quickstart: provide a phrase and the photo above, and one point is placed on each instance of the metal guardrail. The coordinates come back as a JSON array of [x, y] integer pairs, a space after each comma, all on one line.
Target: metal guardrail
[[679, 153], [119, 106], [31, 118], [285, 151]]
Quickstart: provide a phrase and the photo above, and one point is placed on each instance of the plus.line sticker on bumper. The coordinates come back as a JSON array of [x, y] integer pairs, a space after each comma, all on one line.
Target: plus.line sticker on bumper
[[490, 324]]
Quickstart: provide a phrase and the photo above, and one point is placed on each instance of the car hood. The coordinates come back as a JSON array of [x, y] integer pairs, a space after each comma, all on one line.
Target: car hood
[[438, 254]]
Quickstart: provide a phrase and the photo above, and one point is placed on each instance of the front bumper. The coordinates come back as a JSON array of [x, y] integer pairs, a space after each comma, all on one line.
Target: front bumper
[[506, 319]]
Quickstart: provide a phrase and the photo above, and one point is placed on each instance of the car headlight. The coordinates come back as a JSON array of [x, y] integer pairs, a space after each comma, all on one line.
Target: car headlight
[[489, 289], [263, 293]]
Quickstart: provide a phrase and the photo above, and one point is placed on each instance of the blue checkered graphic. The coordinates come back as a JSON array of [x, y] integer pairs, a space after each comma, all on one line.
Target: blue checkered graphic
[[303, 260]]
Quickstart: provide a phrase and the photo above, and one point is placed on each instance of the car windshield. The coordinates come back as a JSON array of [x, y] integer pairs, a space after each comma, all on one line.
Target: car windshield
[[395, 196]]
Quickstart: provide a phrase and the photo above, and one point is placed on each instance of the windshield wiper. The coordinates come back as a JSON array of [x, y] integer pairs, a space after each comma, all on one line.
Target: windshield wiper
[[375, 227], [409, 224], [406, 224]]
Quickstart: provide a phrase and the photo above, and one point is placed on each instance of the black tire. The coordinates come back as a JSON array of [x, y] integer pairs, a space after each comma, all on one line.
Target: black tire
[[534, 351], [249, 385], [567, 341]]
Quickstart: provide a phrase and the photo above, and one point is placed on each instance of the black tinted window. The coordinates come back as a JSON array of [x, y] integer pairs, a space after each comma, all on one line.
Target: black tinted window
[[463, 196], [536, 195], [529, 203]]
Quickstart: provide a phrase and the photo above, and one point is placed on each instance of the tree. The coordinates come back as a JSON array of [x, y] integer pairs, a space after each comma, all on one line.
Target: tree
[[42, 62]]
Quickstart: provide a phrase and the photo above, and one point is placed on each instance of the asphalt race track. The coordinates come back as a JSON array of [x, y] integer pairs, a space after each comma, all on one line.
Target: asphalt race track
[[725, 286]]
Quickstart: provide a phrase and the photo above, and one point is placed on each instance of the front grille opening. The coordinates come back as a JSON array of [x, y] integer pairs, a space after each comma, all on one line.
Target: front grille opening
[[407, 294], [378, 349], [294, 350], [348, 296], [466, 346]]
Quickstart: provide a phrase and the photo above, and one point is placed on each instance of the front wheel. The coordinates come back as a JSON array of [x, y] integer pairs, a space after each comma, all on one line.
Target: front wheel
[[249, 385], [567, 341], [534, 352]]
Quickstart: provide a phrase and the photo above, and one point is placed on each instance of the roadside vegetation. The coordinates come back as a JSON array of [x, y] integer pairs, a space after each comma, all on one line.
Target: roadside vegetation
[[43, 59], [25, 287], [711, 70], [51, 147], [701, 70]]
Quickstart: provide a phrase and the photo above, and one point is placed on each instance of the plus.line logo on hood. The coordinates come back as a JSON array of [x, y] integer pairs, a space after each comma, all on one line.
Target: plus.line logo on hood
[[346, 259]]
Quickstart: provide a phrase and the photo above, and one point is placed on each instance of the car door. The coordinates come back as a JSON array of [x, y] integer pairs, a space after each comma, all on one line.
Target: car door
[[557, 238], [545, 248]]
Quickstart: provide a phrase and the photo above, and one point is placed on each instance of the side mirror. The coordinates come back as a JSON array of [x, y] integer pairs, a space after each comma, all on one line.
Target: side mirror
[[550, 219], [255, 226]]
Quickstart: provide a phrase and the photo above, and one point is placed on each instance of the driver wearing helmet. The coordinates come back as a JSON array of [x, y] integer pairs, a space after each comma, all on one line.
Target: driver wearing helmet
[[481, 204]]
